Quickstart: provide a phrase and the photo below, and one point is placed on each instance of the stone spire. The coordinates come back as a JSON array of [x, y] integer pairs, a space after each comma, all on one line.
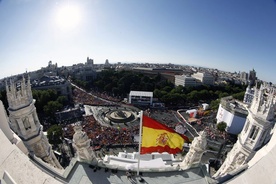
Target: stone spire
[[19, 93], [263, 103], [24, 120]]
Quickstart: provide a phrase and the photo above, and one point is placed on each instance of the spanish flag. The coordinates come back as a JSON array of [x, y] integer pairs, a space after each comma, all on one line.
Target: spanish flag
[[160, 138]]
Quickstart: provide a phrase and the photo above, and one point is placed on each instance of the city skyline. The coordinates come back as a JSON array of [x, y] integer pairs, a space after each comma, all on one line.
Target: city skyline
[[227, 35]]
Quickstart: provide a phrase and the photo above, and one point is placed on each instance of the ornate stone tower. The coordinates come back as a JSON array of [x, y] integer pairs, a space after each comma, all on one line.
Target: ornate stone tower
[[255, 133], [24, 120]]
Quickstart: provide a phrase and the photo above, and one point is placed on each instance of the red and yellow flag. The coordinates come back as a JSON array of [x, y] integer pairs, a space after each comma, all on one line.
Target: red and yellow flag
[[160, 138]]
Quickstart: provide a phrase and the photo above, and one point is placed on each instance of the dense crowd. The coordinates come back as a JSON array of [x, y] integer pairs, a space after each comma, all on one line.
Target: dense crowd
[[81, 97], [105, 96], [103, 135]]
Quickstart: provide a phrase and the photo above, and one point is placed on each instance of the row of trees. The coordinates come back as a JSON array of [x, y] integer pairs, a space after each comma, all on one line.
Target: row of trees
[[185, 95], [120, 83]]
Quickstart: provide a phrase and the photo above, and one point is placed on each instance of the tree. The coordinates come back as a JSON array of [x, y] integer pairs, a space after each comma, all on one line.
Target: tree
[[157, 93], [221, 126], [62, 100], [214, 105], [224, 94], [239, 96], [193, 96], [167, 88], [55, 134], [43, 97], [52, 107]]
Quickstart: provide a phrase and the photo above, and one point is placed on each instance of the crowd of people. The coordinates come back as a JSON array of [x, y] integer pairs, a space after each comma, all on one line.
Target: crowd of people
[[104, 135], [105, 96], [214, 134], [81, 97], [165, 117]]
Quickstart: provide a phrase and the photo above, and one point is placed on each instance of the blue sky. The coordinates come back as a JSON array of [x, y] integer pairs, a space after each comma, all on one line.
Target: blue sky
[[230, 35]]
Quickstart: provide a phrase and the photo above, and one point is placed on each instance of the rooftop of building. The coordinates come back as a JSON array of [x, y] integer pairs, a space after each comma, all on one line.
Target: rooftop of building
[[233, 105], [84, 173], [47, 80], [141, 93], [17, 167]]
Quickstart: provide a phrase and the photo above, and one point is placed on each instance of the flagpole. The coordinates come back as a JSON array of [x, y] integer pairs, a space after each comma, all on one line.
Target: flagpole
[[140, 135]]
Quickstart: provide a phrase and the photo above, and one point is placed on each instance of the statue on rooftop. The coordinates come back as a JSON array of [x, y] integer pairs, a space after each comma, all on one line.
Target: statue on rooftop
[[82, 144], [196, 151]]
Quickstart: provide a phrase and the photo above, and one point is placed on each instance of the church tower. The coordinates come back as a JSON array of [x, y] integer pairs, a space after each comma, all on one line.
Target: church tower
[[24, 120], [255, 133]]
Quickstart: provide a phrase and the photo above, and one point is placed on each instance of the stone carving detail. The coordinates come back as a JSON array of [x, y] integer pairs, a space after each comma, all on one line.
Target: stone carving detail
[[234, 160], [82, 144], [196, 151], [37, 149]]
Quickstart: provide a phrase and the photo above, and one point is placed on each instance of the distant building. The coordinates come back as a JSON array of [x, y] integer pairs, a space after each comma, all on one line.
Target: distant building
[[69, 115], [106, 62], [204, 77], [233, 114], [167, 73], [146, 70], [248, 95], [143, 98], [62, 86], [183, 80], [84, 72], [50, 68], [107, 65], [244, 77], [90, 62], [252, 77]]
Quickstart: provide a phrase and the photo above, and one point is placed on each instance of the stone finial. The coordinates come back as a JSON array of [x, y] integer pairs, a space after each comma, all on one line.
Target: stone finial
[[82, 144], [196, 151]]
